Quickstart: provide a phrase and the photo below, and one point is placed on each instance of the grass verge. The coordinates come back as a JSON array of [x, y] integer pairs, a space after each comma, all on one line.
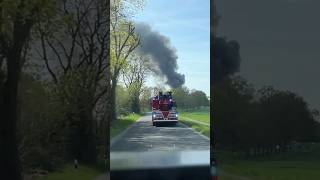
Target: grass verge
[[203, 129], [198, 116], [121, 124], [290, 165], [278, 170], [199, 121], [68, 172]]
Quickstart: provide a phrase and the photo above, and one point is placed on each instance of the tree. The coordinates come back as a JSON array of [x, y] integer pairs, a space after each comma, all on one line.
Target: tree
[[198, 99], [232, 108], [41, 131], [288, 115], [124, 41], [74, 47], [134, 78], [145, 99], [123, 100], [247, 119], [17, 19], [181, 96], [187, 99]]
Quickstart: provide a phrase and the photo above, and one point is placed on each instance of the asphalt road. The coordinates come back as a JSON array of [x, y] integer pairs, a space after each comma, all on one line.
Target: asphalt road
[[142, 136]]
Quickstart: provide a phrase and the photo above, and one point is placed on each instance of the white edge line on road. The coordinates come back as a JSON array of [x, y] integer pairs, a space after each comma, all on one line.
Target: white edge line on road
[[194, 131], [119, 136]]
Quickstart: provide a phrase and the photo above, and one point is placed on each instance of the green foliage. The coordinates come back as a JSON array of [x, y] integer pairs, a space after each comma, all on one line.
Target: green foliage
[[181, 97], [187, 99], [55, 119], [123, 38], [121, 124], [40, 127], [76, 40], [145, 99], [76, 91], [245, 118], [76, 87], [198, 99], [134, 94], [122, 101], [27, 11], [51, 120], [123, 41], [134, 76], [127, 8]]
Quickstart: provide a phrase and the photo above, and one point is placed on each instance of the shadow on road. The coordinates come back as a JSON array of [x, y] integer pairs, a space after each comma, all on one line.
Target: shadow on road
[[167, 124]]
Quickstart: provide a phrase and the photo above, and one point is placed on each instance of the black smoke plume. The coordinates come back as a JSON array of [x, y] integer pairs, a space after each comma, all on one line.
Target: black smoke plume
[[158, 47], [226, 54], [226, 58]]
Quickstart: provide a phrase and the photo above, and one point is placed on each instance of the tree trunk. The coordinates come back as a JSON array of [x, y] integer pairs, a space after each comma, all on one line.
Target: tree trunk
[[106, 136], [89, 144], [90, 150], [135, 104], [113, 100], [82, 137], [107, 120], [10, 161]]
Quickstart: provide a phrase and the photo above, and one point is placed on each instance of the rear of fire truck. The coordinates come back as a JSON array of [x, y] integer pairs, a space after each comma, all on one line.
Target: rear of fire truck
[[164, 109]]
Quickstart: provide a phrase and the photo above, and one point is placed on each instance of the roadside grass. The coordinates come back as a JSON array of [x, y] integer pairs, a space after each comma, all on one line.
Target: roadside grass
[[291, 165], [191, 119], [201, 116], [278, 170], [121, 124], [68, 172], [203, 129]]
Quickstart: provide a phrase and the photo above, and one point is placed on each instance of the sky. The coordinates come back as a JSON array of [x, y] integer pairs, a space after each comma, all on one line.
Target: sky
[[279, 42], [187, 24]]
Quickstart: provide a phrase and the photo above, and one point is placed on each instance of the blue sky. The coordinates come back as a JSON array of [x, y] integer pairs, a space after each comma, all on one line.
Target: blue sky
[[187, 24]]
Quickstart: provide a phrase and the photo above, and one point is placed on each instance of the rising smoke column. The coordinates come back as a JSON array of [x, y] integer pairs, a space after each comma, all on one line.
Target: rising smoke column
[[161, 52], [226, 54], [226, 58]]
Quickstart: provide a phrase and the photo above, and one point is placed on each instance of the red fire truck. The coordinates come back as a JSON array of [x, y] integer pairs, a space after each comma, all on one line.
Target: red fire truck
[[164, 109]]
